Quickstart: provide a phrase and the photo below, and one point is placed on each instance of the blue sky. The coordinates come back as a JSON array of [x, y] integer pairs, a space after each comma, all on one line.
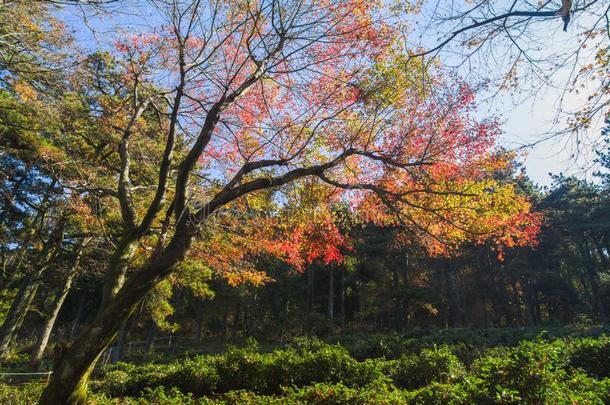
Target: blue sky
[[532, 120]]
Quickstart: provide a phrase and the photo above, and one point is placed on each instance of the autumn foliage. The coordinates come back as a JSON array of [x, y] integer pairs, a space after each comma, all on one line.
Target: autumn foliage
[[237, 129]]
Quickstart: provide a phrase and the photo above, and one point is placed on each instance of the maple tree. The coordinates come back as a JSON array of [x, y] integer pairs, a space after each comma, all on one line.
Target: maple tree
[[231, 99]]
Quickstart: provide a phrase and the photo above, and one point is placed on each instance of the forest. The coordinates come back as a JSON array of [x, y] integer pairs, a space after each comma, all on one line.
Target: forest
[[303, 202]]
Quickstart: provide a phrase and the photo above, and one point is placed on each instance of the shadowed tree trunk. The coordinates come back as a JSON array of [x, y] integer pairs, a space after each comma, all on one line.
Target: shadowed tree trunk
[[331, 299], [310, 297], [342, 298], [517, 303], [20, 306], [150, 336], [593, 278], [200, 321], [45, 333], [236, 319], [78, 316], [117, 349], [16, 314]]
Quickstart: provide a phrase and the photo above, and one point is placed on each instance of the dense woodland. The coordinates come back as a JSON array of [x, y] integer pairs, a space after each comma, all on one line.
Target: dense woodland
[[382, 283], [270, 170]]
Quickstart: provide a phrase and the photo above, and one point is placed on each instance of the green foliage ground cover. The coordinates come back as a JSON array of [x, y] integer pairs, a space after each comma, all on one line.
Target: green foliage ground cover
[[561, 371]]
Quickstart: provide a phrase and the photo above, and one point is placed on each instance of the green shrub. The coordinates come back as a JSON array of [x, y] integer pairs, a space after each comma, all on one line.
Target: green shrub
[[592, 355], [440, 394], [124, 379], [338, 394], [198, 375], [24, 394], [333, 364], [150, 396], [311, 371], [243, 397], [376, 346], [529, 373], [245, 369], [161, 396], [306, 344], [582, 389], [431, 365]]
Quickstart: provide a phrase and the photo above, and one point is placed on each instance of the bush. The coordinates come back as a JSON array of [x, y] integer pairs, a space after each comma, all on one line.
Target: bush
[[431, 365], [376, 346], [245, 369], [530, 372], [124, 379], [333, 364], [440, 394], [24, 394], [592, 355], [305, 344], [311, 371], [582, 389], [197, 376], [327, 394]]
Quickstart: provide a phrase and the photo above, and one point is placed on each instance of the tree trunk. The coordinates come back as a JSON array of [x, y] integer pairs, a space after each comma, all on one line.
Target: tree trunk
[[200, 320], [593, 278], [342, 298], [600, 252], [452, 298], [236, 319], [16, 314], [68, 384], [517, 303], [151, 336], [310, 295], [395, 300], [225, 323], [78, 316], [23, 301], [331, 299], [47, 328], [117, 350], [3, 276]]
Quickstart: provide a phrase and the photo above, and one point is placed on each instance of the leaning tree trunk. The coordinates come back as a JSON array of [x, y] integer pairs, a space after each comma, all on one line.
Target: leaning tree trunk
[[68, 384], [23, 301], [16, 314], [45, 333]]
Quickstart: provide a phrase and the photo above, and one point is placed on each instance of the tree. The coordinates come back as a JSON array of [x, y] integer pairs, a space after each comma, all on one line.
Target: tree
[[230, 99]]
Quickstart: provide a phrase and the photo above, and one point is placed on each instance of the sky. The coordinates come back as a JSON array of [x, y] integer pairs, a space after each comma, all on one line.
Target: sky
[[524, 121], [530, 121]]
